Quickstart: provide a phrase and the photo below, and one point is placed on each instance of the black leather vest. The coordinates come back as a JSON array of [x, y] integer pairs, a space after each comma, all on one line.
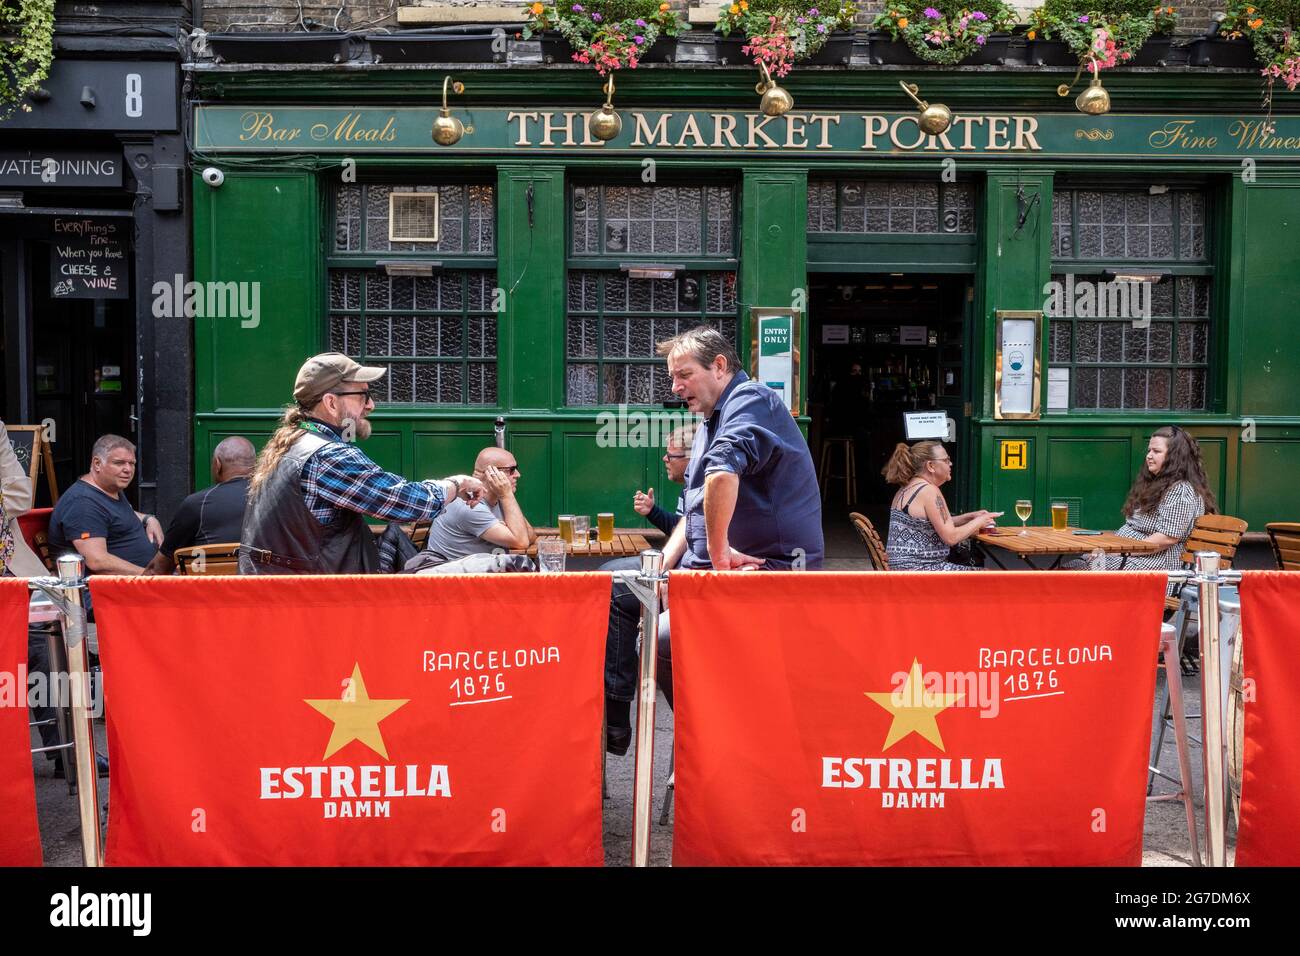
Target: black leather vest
[[280, 536]]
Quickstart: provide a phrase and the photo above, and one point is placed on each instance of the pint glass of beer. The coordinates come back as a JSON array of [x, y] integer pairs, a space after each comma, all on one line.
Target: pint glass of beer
[[566, 528], [605, 521], [1060, 515]]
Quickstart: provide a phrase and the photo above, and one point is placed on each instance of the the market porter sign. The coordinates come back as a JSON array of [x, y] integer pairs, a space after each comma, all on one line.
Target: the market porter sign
[[987, 135]]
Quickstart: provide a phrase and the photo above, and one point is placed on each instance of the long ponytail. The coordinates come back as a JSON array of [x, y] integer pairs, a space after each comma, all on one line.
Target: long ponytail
[[285, 435], [906, 463]]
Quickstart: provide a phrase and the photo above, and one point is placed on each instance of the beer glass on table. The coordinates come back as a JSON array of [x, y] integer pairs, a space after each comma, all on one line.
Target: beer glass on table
[[1060, 515], [550, 554], [1024, 508], [605, 521], [566, 528], [581, 531]]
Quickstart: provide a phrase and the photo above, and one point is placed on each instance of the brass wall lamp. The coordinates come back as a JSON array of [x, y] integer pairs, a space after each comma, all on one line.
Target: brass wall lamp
[[447, 129], [1094, 100], [934, 119], [605, 123], [777, 100]]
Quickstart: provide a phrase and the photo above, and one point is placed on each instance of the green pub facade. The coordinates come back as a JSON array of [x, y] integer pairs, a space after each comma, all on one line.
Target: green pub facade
[[527, 271]]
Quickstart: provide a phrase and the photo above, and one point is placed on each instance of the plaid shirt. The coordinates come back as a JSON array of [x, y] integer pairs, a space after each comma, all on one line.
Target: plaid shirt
[[341, 476]]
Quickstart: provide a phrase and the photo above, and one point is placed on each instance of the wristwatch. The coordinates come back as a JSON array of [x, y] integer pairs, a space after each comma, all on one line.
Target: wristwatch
[[456, 493], [145, 519]]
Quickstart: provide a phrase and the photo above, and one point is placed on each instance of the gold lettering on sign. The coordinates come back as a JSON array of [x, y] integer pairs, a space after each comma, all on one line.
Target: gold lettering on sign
[[825, 120], [1178, 133], [756, 129], [876, 125], [692, 129], [1251, 134], [1094, 134], [968, 123], [893, 132], [934, 141], [565, 127], [348, 131], [523, 123], [643, 129], [1026, 126], [259, 127], [998, 133], [724, 124], [794, 127]]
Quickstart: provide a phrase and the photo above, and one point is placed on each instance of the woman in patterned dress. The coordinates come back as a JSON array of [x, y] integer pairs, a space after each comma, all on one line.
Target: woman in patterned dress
[[921, 531], [1168, 495]]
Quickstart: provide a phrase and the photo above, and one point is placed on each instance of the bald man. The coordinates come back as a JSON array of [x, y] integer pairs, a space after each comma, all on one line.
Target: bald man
[[213, 515], [495, 522]]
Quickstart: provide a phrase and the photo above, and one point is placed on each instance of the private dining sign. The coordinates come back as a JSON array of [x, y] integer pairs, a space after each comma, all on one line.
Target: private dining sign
[[986, 135]]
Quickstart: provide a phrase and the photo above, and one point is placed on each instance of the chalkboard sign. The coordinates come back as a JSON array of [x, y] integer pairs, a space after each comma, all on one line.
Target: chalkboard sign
[[33, 451], [88, 259]]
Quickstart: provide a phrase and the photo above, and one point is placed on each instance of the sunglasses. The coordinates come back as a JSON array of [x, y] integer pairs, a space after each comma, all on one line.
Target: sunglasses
[[364, 391]]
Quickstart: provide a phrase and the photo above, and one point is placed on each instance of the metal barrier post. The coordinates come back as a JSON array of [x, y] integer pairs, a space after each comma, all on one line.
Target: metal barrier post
[[650, 592], [83, 731], [1215, 754]]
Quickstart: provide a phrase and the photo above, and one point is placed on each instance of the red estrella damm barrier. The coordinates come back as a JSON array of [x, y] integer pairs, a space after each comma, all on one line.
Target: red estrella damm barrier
[[1267, 833], [354, 720], [899, 719], [20, 838]]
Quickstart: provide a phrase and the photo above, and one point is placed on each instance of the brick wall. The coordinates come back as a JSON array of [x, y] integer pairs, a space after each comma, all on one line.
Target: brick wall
[[1195, 16]]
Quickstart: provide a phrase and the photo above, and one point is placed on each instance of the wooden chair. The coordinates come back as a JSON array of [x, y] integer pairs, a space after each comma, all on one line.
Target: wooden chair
[[875, 547], [1221, 533], [205, 559], [419, 533], [1284, 536]]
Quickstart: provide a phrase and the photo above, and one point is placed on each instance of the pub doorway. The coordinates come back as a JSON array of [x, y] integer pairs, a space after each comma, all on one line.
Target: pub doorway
[[881, 345]]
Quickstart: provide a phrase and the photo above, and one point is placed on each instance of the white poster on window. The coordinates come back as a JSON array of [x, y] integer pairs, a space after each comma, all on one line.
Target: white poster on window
[[1058, 389], [1019, 346], [776, 367]]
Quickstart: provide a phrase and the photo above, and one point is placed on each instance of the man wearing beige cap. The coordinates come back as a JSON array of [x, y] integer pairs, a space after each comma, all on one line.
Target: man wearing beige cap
[[312, 486]]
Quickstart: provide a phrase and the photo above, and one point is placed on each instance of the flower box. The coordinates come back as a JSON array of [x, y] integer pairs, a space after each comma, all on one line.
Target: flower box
[[461, 44], [324, 47], [1213, 51], [882, 49], [1155, 52], [555, 49], [836, 51], [995, 51], [1050, 53], [727, 52]]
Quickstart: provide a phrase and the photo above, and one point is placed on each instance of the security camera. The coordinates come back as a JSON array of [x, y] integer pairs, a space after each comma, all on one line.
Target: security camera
[[213, 176]]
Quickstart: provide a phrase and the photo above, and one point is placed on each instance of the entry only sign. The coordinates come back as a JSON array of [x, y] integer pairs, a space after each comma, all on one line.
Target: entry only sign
[[88, 259], [776, 367]]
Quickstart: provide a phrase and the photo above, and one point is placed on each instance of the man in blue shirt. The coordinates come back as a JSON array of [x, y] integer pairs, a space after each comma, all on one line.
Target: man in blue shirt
[[751, 499], [94, 519]]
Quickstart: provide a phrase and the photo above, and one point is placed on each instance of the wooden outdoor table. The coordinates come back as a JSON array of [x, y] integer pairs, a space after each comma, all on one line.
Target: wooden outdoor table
[[627, 543], [1044, 542]]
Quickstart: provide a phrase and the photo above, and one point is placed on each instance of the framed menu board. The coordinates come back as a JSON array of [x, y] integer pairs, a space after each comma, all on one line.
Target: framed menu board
[[1017, 371]]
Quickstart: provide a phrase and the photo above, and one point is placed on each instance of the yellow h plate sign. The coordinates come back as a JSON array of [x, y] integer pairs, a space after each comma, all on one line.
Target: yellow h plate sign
[[1015, 455]]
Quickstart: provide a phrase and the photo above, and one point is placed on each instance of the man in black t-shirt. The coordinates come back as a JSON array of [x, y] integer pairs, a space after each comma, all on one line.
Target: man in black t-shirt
[[94, 519], [214, 515]]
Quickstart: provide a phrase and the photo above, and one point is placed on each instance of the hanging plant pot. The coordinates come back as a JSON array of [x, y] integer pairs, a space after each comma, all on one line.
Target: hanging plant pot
[[726, 50], [463, 44], [1213, 51], [836, 51], [885, 49], [1050, 53], [555, 49], [324, 47], [994, 52], [1155, 52]]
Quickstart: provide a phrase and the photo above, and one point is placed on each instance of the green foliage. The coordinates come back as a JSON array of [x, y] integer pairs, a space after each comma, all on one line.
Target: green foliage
[[782, 32], [26, 50], [945, 31], [606, 34], [1108, 32]]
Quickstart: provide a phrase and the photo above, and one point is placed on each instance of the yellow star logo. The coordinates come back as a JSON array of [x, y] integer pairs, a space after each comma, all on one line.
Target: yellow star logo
[[914, 709], [356, 716]]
